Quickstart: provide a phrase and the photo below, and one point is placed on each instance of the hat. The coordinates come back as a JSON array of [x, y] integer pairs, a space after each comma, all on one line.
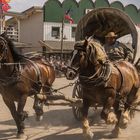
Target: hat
[[111, 34]]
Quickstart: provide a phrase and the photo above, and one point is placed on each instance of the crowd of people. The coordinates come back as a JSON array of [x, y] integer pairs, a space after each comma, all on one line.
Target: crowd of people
[[58, 64]]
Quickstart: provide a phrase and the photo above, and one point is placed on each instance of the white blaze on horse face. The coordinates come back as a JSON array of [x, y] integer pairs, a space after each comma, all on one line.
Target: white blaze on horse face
[[74, 53]]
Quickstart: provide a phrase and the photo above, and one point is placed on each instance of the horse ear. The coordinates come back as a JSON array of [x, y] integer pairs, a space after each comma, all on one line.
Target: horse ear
[[86, 41]]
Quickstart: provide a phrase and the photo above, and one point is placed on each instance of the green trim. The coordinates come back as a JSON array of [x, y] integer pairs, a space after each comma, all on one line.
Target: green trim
[[132, 11], [101, 3], [118, 5], [54, 10]]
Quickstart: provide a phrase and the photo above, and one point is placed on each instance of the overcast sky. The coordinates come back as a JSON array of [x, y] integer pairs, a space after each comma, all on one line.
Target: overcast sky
[[21, 5]]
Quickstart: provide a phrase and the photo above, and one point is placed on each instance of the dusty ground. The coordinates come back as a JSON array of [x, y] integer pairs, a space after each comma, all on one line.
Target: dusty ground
[[59, 123]]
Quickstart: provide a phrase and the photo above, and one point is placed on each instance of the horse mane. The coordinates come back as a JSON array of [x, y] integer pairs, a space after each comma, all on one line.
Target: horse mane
[[95, 45], [16, 55]]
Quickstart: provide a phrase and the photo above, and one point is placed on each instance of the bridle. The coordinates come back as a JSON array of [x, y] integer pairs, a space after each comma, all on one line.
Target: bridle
[[101, 75], [3, 49]]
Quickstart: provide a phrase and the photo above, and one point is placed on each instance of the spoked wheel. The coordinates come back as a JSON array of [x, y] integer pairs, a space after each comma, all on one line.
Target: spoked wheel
[[77, 93]]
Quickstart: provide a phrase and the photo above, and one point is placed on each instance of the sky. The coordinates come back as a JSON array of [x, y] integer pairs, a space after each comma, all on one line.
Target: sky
[[21, 5]]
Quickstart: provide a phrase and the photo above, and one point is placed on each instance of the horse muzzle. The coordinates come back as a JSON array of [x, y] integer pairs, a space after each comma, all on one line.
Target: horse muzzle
[[70, 75]]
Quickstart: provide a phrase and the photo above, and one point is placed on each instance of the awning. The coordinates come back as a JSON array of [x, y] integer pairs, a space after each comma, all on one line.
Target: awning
[[55, 46]]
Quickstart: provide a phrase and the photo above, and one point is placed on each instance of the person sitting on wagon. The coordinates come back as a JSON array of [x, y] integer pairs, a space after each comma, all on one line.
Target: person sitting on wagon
[[115, 50]]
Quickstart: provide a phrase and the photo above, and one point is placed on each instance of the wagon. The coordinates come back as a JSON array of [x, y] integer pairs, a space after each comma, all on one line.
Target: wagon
[[98, 23]]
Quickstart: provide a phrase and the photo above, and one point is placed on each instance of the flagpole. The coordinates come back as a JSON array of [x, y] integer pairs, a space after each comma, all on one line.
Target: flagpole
[[62, 32], [1, 17]]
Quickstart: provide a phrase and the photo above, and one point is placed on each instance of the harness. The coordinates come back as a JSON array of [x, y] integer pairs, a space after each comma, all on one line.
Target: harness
[[122, 79], [37, 70], [94, 80]]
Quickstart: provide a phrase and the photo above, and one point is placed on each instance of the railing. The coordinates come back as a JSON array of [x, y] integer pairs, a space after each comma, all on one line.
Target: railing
[[12, 34]]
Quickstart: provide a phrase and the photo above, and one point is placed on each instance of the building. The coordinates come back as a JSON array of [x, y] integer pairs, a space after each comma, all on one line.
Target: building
[[43, 25]]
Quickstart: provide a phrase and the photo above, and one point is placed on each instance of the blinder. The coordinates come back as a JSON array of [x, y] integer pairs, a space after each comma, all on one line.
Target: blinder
[[80, 45]]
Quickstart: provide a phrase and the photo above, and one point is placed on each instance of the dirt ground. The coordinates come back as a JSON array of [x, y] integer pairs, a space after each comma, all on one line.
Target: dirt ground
[[60, 124]]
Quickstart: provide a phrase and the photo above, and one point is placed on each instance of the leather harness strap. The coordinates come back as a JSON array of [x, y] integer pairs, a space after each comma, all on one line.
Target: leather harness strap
[[122, 78], [37, 70]]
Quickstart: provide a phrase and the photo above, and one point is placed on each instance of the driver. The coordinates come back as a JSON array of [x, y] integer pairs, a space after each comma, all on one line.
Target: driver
[[115, 50]]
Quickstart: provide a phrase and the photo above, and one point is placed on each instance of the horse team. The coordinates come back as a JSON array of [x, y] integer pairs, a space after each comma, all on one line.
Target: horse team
[[113, 86]]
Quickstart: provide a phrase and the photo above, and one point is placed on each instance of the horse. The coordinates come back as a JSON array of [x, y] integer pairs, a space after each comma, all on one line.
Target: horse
[[112, 85], [20, 78]]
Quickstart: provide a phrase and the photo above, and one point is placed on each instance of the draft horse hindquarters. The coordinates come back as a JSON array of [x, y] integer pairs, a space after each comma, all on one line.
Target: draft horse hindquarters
[[21, 77], [114, 86]]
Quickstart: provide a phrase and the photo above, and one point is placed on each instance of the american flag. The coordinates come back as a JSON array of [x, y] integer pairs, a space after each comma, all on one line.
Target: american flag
[[68, 17], [4, 6]]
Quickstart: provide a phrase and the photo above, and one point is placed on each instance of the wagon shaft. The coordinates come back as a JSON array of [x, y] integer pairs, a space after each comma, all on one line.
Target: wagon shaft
[[70, 101]]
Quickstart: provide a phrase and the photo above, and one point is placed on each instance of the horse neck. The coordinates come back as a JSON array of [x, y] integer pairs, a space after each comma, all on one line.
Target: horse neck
[[90, 68], [9, 58]]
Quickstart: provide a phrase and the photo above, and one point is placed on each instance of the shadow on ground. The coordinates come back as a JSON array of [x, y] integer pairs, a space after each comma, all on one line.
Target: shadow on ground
[[57, 118]]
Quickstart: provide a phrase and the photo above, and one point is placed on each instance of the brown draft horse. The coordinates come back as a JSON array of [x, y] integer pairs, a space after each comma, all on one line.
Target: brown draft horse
[[20, 78], [111, 85]]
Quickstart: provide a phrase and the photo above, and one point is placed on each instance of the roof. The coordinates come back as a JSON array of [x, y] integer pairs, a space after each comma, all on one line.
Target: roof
[[55, 46], [24, 14]]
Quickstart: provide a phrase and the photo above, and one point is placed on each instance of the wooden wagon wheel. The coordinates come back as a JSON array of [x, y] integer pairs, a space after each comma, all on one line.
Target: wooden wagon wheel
[[77, 93]]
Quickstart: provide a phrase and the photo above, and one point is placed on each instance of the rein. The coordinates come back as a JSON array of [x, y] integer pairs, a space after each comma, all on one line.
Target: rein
[[74, 69]]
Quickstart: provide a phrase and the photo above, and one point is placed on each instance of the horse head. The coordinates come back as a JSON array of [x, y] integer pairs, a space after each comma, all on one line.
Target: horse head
[[8, 52], [78, 59], [86, 52]]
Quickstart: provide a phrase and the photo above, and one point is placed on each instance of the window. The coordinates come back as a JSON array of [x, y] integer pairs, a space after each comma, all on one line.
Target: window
[[73, 32], [56, 32]]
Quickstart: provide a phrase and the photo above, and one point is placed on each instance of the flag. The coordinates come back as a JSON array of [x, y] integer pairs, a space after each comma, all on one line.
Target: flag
[[68, 17], [4, 6]]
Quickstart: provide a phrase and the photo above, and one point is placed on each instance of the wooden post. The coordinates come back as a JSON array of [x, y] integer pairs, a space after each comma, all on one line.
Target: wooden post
[[62, 33]]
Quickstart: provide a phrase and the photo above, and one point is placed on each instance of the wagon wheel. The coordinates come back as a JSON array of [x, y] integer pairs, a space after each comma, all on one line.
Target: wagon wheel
[[77, 93]]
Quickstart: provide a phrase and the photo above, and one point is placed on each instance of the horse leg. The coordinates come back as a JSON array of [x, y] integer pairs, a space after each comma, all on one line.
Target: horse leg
[[22, 115], [11, 105], [117, 130], [38, 103], [107, 113], [130, 105], [132, 102], [38, 107], [86, 128]]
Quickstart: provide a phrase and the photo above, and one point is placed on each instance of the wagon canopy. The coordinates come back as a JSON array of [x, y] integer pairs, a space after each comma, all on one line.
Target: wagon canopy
[[99, 22]]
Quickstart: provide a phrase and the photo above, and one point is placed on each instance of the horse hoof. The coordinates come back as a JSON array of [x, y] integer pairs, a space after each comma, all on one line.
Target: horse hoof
[[39, 118], [111, 119], [22, 136], [125, 119], [88, 136]]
